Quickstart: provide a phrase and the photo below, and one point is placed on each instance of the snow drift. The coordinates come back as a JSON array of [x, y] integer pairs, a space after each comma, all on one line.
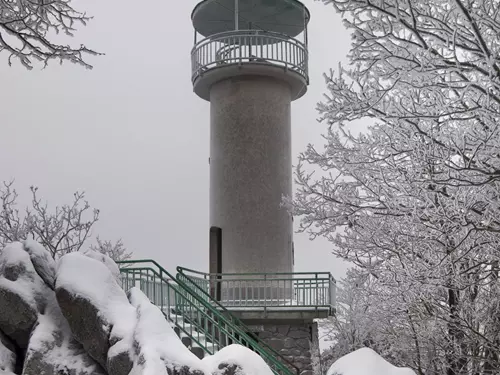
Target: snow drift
[[366, 361]]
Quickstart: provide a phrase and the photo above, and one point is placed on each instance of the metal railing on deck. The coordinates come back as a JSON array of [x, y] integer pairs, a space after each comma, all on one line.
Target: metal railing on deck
[[196, 313], [249, 46], [297, 290]]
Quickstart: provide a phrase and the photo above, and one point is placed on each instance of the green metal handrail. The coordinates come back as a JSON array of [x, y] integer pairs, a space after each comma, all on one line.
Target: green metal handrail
[[281, 289], [220, 328]]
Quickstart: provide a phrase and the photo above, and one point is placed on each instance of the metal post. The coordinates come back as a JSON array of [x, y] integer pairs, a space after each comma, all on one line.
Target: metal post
[[236, 15], [316, 282], [305, 37], [265, 292]]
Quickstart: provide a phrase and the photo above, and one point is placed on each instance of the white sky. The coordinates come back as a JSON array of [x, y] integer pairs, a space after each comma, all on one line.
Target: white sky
[[133, 135]]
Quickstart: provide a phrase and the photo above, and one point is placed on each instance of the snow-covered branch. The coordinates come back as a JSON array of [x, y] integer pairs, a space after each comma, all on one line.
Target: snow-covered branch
[[27, 30]]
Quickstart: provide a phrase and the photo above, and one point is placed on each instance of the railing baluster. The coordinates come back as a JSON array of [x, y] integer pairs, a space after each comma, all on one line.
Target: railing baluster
[[281, 46], [317, 290], [261, 46]]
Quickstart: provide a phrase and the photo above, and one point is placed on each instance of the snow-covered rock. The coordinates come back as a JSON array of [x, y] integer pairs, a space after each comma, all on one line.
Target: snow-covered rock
[[160, 352], [7, 356], [158, 349], [30, 317], [236, 360], [106, 260], [73, 318], [42, 261], [22, 294], [97, 310], [52, 348], [366, 361]]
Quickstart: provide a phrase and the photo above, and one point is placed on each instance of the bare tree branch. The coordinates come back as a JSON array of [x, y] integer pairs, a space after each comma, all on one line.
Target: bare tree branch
[[61, 230]]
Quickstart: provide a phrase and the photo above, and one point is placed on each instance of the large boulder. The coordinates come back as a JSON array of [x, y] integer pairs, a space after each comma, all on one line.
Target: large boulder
[[53, 350], [31, 317], [97, 310], [22, 294]]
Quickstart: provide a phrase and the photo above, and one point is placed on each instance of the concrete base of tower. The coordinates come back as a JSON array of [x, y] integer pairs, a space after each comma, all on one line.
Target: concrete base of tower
[[250, 172], [296, 341]]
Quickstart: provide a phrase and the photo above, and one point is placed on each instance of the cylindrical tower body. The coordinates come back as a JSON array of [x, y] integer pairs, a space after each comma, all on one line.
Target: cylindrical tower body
[[250, 172], [250, 67]]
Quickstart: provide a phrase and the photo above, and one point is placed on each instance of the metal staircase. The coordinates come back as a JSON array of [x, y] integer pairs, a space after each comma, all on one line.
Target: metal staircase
[[202, 323]]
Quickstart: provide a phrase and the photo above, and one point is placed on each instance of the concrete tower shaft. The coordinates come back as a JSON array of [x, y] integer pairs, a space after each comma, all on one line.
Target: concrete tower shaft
[[250, 171], [250, 75]]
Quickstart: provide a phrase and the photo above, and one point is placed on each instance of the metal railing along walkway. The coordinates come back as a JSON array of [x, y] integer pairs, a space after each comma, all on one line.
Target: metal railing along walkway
[[298, 290]]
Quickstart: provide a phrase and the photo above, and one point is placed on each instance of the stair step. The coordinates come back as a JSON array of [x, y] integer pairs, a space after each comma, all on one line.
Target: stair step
[[186, 340], [199, 352], [200, 337], [209, 345], [183, 312], [179, 322]]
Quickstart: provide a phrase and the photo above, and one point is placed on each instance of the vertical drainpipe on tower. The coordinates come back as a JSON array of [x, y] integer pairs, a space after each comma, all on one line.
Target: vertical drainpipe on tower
[[293, 246], [236, 15]]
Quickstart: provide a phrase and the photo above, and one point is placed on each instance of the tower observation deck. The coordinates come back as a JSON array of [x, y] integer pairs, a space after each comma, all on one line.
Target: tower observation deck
[[250, 37], [250, 61]]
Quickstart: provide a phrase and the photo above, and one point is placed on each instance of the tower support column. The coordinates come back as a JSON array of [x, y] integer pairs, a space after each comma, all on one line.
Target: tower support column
[[250, 160]]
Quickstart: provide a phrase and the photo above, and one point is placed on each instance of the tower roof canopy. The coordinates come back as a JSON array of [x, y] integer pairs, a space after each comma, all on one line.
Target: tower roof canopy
[[287, 17]]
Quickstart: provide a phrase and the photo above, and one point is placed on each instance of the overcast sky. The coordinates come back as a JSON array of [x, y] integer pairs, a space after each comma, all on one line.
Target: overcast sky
[[133, 135]]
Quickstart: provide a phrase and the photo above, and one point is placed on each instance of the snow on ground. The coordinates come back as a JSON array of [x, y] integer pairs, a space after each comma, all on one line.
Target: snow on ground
[[249, 361], [366, 361], [90, 279]]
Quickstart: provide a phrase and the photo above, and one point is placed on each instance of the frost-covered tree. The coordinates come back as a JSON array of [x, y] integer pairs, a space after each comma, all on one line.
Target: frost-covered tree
[[116, 251], [61, 230], [27, 30], [350, 328], [413, 201]]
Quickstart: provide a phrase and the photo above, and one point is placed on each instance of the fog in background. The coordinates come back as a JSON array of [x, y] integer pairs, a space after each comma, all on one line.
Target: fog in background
[[133, 135]]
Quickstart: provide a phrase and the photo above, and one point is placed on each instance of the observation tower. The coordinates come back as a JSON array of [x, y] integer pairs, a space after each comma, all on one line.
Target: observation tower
[[250, 61]]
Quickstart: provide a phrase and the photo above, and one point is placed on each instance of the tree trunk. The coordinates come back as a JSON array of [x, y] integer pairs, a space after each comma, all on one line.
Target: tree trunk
[[491, 357]]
